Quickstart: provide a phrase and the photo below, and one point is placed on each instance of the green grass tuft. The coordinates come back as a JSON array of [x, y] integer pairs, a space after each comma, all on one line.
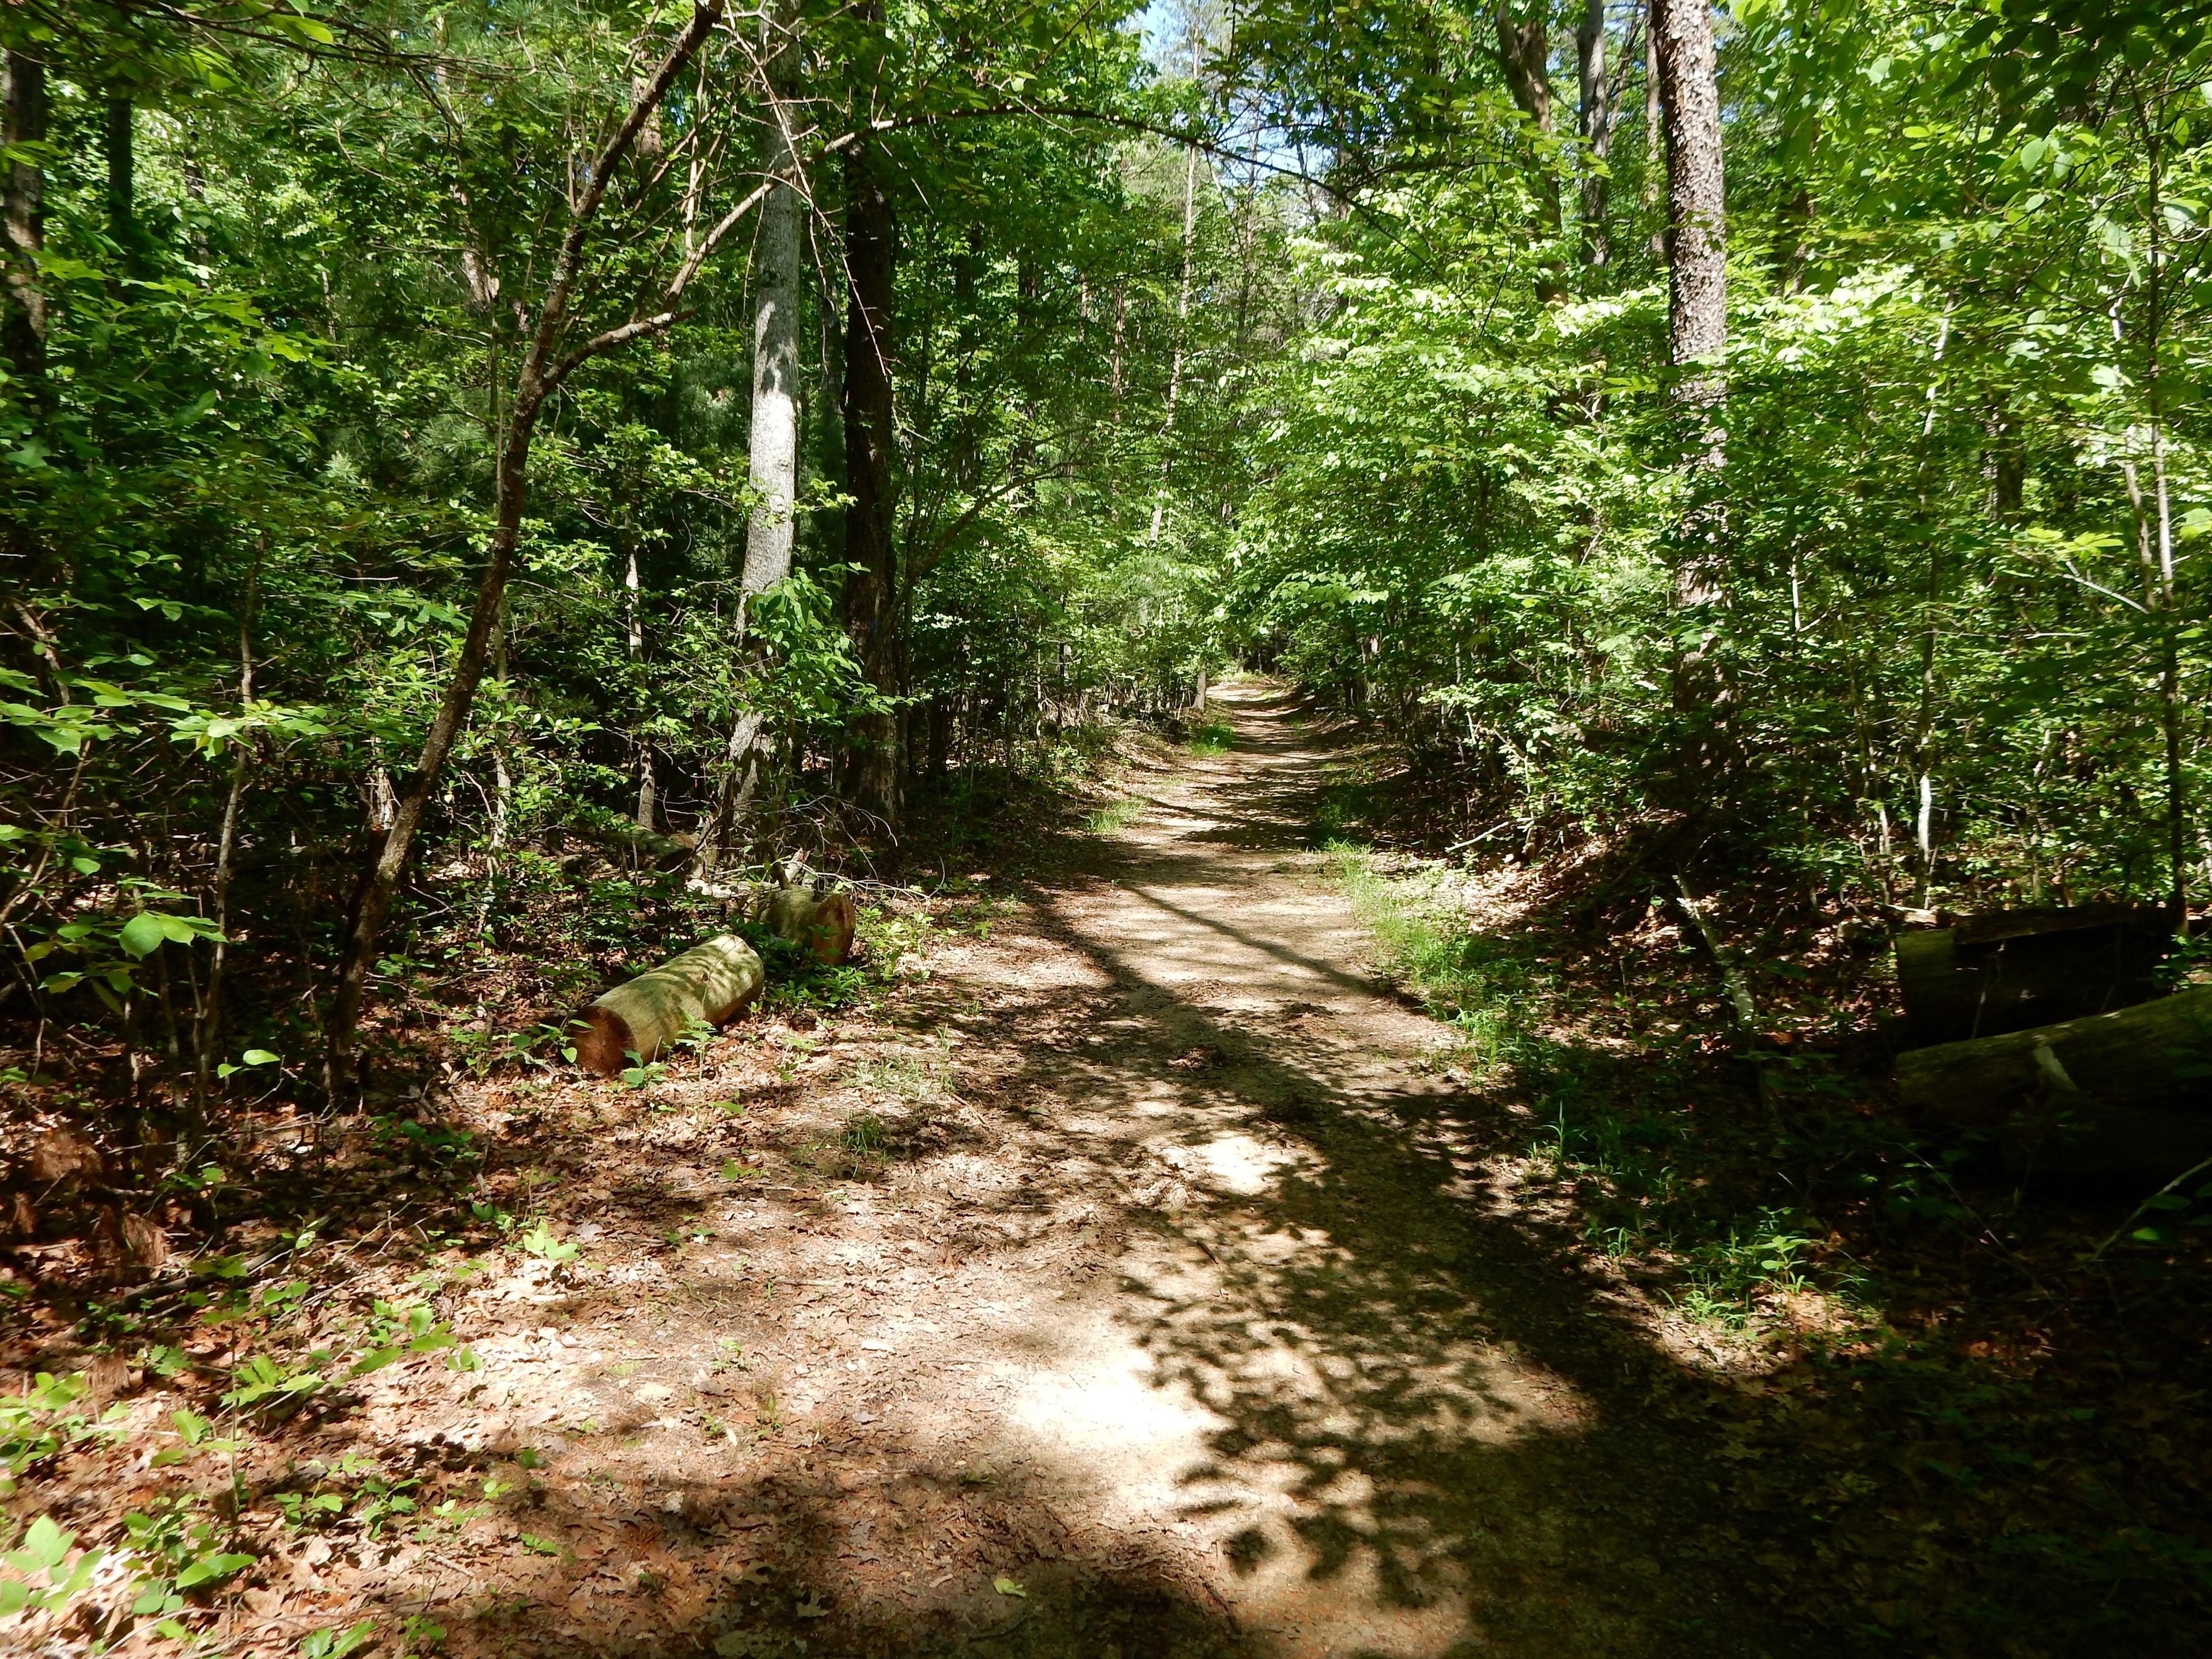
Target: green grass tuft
[[1115, 815]]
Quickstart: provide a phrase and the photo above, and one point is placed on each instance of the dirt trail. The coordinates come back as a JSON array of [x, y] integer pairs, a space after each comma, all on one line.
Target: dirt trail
[[1187, 1307]]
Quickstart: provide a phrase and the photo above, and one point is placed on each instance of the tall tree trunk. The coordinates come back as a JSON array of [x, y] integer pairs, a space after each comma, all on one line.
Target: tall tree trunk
[[1697, 280], [1594, 120], [22, 203], [871, 582], [967, 423], [1524, 51], [772, 463], [1655, 140], [1183, 329], [1702, 690]]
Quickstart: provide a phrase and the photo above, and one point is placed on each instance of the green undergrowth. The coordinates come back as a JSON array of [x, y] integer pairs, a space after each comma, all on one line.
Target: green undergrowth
[[1951, 1424], [1115, 815], [1211, 737]]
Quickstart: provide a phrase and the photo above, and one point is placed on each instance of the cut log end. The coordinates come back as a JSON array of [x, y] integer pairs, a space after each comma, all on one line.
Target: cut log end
[[604, 1040]]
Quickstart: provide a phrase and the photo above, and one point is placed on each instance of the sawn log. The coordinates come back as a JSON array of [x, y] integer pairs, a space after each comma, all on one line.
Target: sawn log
[[709, 983], [2126, 1094], [2012, 970], [822, 925]]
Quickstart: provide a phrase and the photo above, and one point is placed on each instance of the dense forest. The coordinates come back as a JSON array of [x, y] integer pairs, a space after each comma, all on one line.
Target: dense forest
[[492, 493]]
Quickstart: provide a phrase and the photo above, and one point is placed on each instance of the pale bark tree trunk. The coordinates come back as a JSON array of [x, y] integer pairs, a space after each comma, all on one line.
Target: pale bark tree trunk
[[1655, 130], [772, 464], [541, 372], [1183, 328], [1595, 123], [634, 603], [1524, 51]]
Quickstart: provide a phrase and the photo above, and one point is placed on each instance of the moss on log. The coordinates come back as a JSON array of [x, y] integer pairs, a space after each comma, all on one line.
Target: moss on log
[[709, 983], [2125, 1095], [822, 926]]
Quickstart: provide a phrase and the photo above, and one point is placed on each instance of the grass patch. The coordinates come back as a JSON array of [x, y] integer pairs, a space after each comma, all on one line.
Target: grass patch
[[1211, 738], [1652, 1184], [1479, 986], [1115, 815]]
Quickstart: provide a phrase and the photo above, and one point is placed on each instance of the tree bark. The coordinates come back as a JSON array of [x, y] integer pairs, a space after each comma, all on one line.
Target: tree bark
[[772, 462], [1594, 120], [772, 459], [1183, 329], [1524, 51], [1697, 275], [1697, 213], [2114, 1095], [871, 583], [539, 375], [22, 203], [709, 984]]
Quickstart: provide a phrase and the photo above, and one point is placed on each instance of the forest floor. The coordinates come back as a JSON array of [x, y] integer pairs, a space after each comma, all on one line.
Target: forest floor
[[1141, 1275]]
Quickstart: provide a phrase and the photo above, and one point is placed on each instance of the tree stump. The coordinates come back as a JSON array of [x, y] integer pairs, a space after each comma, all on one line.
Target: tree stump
[[707, 984]]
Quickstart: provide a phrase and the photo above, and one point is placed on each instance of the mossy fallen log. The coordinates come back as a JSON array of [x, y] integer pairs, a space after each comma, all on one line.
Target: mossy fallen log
[[2125, 1095], [707, 984], [821, 924]]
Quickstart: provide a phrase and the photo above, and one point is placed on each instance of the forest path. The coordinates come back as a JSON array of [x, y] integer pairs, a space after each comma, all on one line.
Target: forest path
[[1189, 1307]]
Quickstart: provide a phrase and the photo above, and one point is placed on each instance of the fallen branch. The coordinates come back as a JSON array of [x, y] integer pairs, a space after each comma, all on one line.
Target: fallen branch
[[1732, 978]]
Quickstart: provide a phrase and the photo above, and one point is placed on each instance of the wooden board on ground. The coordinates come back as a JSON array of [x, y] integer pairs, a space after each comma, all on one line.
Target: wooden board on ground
[[2016, 970]]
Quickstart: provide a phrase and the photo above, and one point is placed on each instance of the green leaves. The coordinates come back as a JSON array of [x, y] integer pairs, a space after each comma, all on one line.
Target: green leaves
[[45, 1577], [147, 931], [336, 1644], [541, 1241]]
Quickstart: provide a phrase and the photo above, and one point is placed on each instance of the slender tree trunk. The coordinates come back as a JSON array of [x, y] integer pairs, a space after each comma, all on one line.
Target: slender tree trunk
[[773, 460], [22, 205], [967, 274], [647, 812], [1594, 120], [2158, 575], [122, 179], [1697, 264], [1654, 139], [772, 464], [1183, 329], [538, 375], [210, 1022], [1524, 51], [871, 584]]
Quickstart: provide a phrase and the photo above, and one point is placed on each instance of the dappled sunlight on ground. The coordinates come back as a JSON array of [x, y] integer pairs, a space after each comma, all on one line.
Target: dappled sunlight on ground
[[1137, 1282]]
